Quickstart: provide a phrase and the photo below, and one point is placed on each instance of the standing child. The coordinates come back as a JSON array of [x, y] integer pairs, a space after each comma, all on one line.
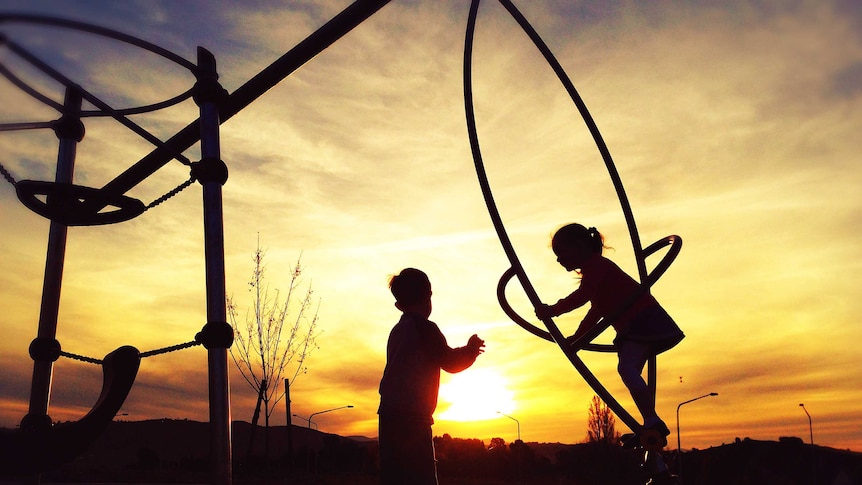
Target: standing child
[[643, 329], [415, 353]]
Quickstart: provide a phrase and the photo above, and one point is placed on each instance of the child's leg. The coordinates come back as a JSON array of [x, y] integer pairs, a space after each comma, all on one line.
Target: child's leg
[[633, 356]]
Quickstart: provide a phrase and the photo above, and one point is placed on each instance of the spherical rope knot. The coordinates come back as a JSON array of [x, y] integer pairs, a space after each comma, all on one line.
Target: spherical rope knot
[[216, 335], [45, 349], [208, 90], [209, 169], [69, 127], [36, 422]]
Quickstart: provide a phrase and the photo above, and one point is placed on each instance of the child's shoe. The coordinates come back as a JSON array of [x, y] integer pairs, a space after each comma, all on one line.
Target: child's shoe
[[656, 436], [630, 440], [652, 437]]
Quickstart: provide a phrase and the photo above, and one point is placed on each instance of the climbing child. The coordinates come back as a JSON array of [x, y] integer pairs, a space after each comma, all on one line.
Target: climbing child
[[643, 328]]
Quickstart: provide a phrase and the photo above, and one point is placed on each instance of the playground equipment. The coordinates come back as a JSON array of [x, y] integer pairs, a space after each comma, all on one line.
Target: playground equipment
[[38, 444], [66, 204], [649, 441]]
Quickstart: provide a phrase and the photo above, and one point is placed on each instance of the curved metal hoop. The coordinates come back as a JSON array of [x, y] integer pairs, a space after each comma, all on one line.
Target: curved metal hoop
[[102, 31], [74, 205], [516, 268], [65, 203], [111, 34], [526, 325], [675, 242]]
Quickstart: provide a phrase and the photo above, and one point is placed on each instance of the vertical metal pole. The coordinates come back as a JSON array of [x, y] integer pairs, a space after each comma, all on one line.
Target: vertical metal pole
[[289, 428], [219, 386], [810, 424], [70, 132], [678, 440], [652, 379]]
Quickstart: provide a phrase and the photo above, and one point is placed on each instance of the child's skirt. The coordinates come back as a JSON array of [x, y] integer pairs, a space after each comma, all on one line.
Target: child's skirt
[[654, 327]]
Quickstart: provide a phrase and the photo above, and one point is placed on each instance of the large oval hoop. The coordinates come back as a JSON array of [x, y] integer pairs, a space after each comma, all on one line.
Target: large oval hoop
[[103, 32], [479, 164], [516, 267]]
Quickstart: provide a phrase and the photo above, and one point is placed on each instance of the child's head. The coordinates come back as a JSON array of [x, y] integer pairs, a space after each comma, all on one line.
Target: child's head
[[572, 243], [412, 291]]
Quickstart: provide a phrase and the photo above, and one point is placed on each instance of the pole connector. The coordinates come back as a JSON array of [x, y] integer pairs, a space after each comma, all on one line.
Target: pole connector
[[44, 349], [216, 335], [209, 169]]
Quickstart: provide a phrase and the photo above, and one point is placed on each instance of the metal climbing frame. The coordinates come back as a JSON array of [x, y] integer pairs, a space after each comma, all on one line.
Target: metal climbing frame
[[647, 279], [216, 107]]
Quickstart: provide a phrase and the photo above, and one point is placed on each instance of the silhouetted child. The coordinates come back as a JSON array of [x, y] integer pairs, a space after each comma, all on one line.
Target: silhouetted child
[[644, 329], [416, 352]]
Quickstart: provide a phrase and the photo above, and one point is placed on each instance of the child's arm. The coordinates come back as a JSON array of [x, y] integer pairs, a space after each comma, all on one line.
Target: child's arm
[[583, 328], [458, 359], [564, 305], [590, 320]]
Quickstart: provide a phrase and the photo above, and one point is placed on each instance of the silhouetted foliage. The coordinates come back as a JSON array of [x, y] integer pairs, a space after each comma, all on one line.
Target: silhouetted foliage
[[601, 424], [471, 460], [270, 343], [460, 457]]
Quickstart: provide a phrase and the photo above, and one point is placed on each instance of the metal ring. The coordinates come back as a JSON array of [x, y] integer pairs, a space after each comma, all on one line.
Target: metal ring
[[516, 267], [64, 203], [676, 245]]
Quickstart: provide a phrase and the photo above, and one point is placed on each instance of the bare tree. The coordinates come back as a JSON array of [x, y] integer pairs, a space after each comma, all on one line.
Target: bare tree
[[279, 334], [601, 424]]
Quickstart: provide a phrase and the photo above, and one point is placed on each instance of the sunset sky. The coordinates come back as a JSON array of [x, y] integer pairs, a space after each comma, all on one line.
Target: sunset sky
[[733, 124]]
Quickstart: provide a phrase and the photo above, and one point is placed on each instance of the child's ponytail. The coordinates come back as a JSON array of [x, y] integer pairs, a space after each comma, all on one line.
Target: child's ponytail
[[597, 241], [576, 234]]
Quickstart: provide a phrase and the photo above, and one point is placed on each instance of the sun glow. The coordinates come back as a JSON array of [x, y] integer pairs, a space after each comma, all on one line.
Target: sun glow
[[475, 395]]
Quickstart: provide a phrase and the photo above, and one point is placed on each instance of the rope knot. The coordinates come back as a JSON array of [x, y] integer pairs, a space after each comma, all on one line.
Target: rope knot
[[45, 349], [216, 335]]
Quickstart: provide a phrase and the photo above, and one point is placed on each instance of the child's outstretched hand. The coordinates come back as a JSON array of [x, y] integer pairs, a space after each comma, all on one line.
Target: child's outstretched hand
[[477, 344]]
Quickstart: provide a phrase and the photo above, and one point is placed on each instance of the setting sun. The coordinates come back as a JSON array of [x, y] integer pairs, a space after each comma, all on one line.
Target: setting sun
[[475, 395]]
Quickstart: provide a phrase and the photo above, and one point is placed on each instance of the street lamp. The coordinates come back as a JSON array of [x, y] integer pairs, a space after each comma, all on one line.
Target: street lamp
[[810, 426], [327, 411], [515, 420], [307, 420], [678, 439]]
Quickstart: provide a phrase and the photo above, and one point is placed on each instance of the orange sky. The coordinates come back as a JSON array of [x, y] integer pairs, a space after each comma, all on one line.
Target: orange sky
[[733, 126]]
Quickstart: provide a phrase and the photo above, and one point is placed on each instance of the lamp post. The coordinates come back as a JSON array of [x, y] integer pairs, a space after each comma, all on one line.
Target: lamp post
[[678, 439], [515, 420], [307, 420], [810, 426], [327, 411], [516, 448]]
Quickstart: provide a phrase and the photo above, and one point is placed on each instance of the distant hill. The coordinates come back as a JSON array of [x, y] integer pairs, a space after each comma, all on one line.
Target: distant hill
[[788, 461], [177, 451]]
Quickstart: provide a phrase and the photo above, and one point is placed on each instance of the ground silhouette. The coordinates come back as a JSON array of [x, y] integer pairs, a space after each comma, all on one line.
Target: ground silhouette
[[176, 451]]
